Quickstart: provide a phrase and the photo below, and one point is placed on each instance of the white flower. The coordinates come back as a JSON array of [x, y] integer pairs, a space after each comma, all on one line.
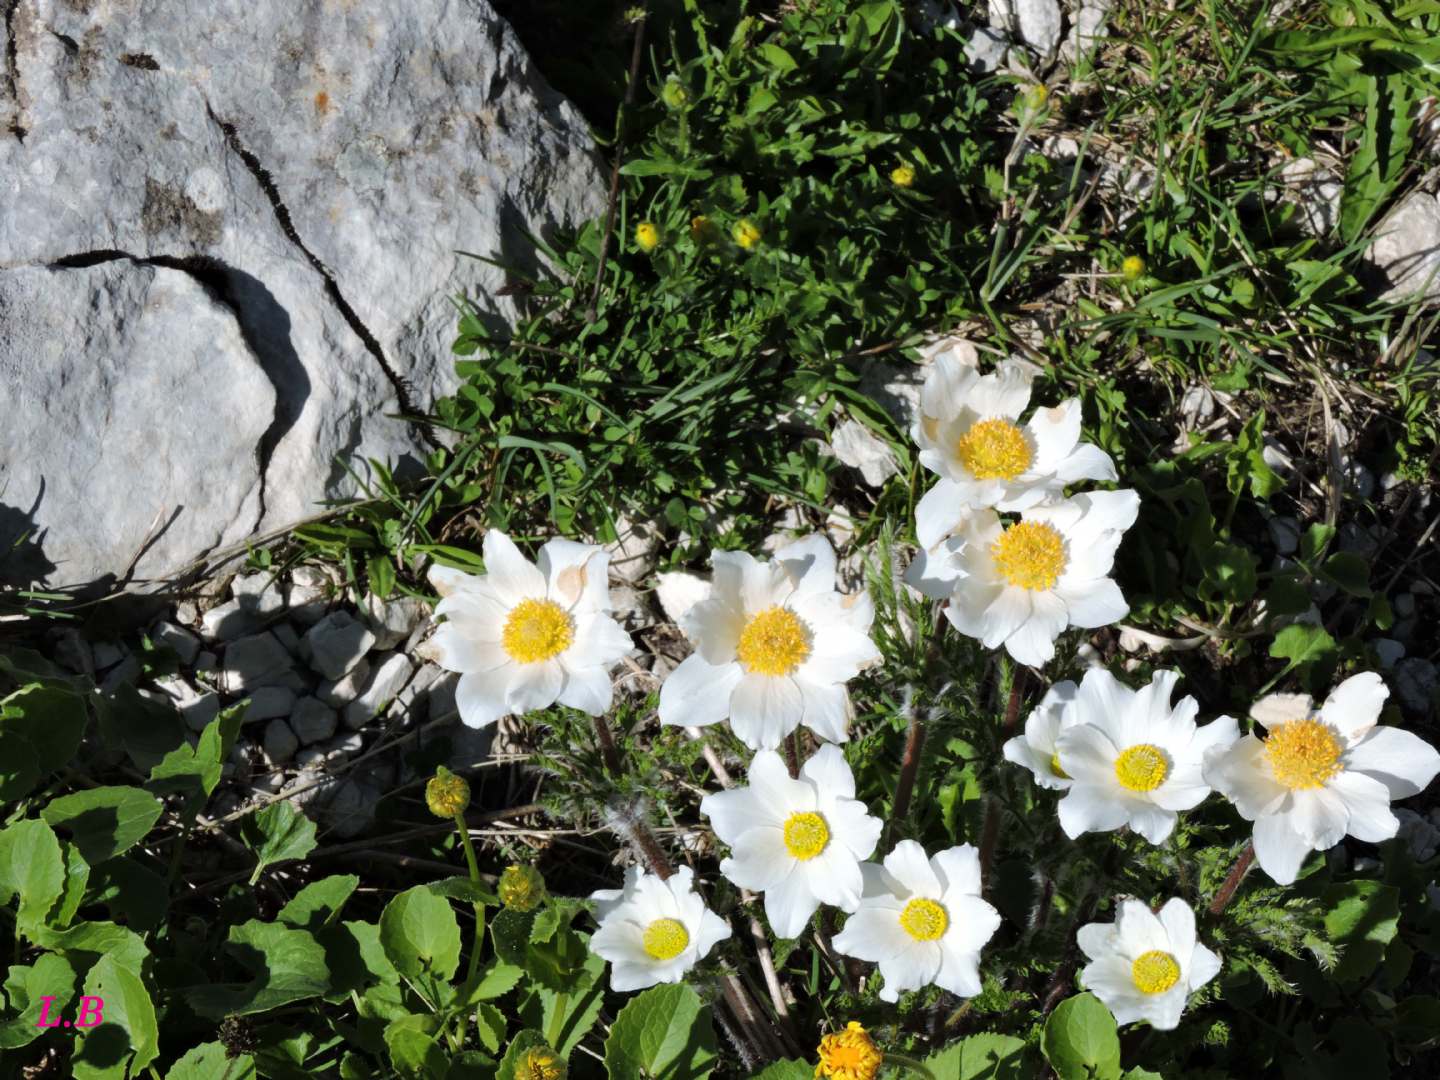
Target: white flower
[[1321, 774], [1134, 759], [922, 920], [1144, 966], [653, 930], [799, 841], [969, 433], [1020, 585], [524, 636], [1035, 750], [774, 647]]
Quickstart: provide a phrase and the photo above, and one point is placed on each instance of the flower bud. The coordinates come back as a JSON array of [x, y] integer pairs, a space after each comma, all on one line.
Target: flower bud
[[521, 888], [540, 1063], [902, 175], [446, 794], [1133, 268], [647, 236], [746, 233], [674, 94]]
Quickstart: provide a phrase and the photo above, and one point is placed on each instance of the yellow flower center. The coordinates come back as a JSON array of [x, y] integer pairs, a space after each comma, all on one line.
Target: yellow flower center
[[994, 450], [1142, 767], [1030, 555], [537, 630], [1155, 972], [806, 835], [746, 233], [774, 642], [540, 1063], [1303, 754], [1055, 768], [848, 1055], [924, 920], [666, 939]]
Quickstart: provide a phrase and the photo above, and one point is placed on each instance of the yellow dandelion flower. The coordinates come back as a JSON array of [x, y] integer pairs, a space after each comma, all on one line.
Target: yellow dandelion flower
[[746, 233], [848, 1055], [647, 236], [903, 175], [1133, 267]]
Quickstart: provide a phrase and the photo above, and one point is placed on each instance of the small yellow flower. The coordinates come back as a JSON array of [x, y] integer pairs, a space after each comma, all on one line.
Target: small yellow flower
[[746, 233], [446, 794], [521, 888], [674, 94], [848, 1055], [540, 1063], [647, 236], [902, 175], [1133, 267], [1037, 96]]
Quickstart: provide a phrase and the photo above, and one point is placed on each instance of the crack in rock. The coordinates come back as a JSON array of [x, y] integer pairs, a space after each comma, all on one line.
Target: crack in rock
[[332, 288], [12, 71]]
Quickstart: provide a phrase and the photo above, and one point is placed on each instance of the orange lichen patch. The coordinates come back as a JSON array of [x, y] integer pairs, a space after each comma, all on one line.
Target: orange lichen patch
[[322, 103]]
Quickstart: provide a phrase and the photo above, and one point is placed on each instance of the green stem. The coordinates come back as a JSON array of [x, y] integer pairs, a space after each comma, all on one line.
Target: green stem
[[917, 1067], [557, 1022], [464, 831]]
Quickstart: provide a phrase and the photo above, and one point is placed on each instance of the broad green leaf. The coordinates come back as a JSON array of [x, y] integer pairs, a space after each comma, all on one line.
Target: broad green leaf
[[419, 933], [356, 956], [495, 979], [194, 771], [277, 833], [1080, 1040], [319, 903], [1361, 917], [94, 937], [462, 888], [209, 1061], [135, 895], [789, 1069], [77, 877], [147, 730], [32, 866], [19, 767], [25, 988], [1303, 645], [1349, 571], [413, 1050], [664, 1033], [490, 1025], [288, 965], [128, 1038], [1377, 162], [1230, 569], [51, 719], [982, 1057], [567, 1017], [104, 821], [510, 930]]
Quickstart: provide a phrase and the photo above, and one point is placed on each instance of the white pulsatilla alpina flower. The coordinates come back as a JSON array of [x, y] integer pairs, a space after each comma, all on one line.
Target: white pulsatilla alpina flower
[[1145, 966], [1320, 774], [653, 930], [1133, 758], [774, 646], [525, 635], [1020, 585], [922, 920], [969, 433], [799, 841], [1035, 750]]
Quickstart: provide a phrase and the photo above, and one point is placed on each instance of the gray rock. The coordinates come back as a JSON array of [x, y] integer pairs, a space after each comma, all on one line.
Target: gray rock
[[414, 699], [1087, 28], [392, 621], [1285, 533], [1197, 406], [340, 692], [857, 447], [389, 678], [342, 747], [1036, 22], [228, 621], [184, 644], [1359, 480], [108, 653], [310, 589], [1388, 651], [260, 593], [276, 148], [350, 810], [269, 702], [269, 783], [986, 49], [635, 552], [1407, 248], [122, 674], [934, 14], [1403, 605], [312, 720], [309, 759], [286, 635], [336, 644], [207, 662], [1417, 684], [1316, 189], [197, 707], [442, 697], [280, 742], [255, 661], [74, 652]]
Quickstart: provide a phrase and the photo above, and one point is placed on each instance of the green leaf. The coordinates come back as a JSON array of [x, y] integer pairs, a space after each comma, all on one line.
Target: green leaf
[[413, 1050], [194, 771], [126, 946], [19, 767], [789, 1069], [1081, 1041], [317, 904], [209, 1061], [568, 1016], [510, 930], [25, 987], [135, 895], [1349, 571], [419, 933], [32, 866], [462, 888], [1377, 162], [105, 821], [277, 833], [490, 1026], [147, 730], [1303, 645], [288, 965], [1361, 917], [1231, 569], [128, 1038], [1316, 539], [664, 1033], [1417, 1020], [495, 979], [982, 1057], [51, 719]]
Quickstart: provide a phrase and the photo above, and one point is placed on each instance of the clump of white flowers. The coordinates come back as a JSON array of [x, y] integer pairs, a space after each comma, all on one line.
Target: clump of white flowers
[[1145, 966], [654, 930]]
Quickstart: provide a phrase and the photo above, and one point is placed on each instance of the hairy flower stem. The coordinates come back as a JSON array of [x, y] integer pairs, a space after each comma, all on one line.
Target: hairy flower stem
[[909, 768], [792, 754], [609, 753], [1232, 880], [990, 831], [478, 941]]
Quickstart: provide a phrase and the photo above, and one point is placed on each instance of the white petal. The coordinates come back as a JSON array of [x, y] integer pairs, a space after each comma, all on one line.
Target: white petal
[[1094, 603], [959, 867], [589, 689], [908, 865], [829, 772], [576, 575], [1087, 754], [959, 970], [1055, 431], [740, 809], [1107, 511], [1319, 815], [1279, 849], [678, 593], [1139, 929], [828, 711], [731, 568], [1034, 641], [457, 651], [1154, 823], [790, 903], [1164, 1010], [764, 709], [1401, 760], [712, 930], [973, 922], [855, 829], [600, 641], [838, 654], [513, 577], [1086, 462], [940, 512], [535, 686], [481, 699], [1241, 773], [933, 573], [697, 693], [1004, 616], [446, 579], [1108, 977], [1368, 803], [1090, 808], [872, 933], [948, 385], [1204, 966], [1280, 709], [715, 626], [810, 563], [1003, 394], [1096, 939], [834, 877], [1179, 922], [760, 860], [1353, 707]]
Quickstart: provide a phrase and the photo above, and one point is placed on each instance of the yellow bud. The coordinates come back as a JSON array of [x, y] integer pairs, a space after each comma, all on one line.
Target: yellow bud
[[446, 794], [521, 888], [902, 175], [1037, 96], [647, 236], [1133, 267], [540, 1063], [746, 233]]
